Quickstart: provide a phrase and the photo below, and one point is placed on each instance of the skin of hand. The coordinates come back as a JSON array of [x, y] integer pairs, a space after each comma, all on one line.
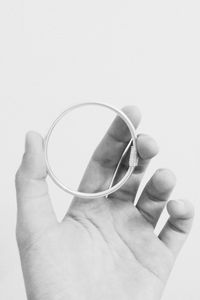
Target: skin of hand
[[104, 248]]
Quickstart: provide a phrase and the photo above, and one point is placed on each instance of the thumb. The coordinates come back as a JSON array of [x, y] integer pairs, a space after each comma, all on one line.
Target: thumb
[[35, 211]]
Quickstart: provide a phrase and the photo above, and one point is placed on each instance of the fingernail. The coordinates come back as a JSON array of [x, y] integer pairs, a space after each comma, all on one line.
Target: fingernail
[[180, 203]]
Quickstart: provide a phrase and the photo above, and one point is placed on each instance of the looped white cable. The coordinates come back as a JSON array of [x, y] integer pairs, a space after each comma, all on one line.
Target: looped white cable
[[133, 159]]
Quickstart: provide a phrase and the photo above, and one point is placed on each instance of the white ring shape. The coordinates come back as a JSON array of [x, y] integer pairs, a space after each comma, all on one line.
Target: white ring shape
[[132, 160]]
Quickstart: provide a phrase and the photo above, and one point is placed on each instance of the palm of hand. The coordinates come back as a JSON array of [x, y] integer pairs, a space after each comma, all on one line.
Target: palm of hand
[[104, 248], [100, 257]]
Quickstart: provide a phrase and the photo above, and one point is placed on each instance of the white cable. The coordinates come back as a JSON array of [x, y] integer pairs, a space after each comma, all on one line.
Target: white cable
[[132, 160]]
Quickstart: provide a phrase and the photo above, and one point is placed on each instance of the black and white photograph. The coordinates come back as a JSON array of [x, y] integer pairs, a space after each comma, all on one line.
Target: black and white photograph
[[100, 150]]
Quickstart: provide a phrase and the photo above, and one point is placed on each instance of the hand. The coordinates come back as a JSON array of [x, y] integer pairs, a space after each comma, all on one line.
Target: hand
[[104, 248]]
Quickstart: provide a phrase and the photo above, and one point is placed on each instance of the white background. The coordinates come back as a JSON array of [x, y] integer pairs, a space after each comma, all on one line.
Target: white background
[[56, 53]]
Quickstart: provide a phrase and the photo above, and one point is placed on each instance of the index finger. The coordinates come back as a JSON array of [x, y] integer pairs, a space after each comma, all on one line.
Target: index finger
[[108, 153]]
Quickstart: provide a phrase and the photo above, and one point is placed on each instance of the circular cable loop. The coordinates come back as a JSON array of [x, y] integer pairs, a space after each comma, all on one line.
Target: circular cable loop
[[133, 160]]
